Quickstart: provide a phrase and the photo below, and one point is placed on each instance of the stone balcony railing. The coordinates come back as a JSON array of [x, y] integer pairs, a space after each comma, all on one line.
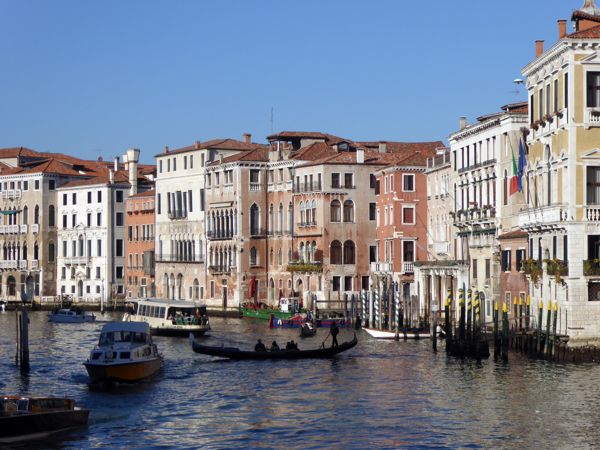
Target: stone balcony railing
[[10, 194], [382, 267], [76, 260], [408, 267], [533, 217]]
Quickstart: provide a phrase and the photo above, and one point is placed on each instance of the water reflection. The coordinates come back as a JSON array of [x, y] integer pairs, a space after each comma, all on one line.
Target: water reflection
[[380, 394]]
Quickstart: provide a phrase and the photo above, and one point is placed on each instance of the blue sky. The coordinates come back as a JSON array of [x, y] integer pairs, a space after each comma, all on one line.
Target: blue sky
[[93, 78]]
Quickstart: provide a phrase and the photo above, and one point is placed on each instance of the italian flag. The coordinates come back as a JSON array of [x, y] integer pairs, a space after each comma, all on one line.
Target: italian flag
[[514, 180]]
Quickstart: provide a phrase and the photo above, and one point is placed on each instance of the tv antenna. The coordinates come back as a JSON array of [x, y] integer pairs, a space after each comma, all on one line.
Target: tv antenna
[[518, 83]]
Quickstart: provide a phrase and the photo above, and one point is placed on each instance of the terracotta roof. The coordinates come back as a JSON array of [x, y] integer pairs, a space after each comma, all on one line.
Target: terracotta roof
[[579, 14], [288, 135], [590, 33], [219, 144], [346, 158], [406, 147], [149, 193], [258, 154], [314, 151], [514, 235]]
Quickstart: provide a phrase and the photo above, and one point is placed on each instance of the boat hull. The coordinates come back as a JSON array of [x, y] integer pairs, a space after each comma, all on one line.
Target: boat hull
[[180, 330], [21, 427], [412, 334], [123, 372], [71, 319], [235, 353], [264, 314]]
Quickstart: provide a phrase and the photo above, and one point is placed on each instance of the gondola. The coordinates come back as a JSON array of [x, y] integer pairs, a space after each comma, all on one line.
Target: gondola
[[236, 353]]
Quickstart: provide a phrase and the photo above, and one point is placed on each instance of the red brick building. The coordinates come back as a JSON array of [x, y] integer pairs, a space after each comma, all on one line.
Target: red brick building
[[139, 245]]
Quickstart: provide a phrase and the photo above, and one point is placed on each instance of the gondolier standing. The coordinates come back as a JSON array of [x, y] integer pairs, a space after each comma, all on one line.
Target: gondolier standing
[[334, 332]]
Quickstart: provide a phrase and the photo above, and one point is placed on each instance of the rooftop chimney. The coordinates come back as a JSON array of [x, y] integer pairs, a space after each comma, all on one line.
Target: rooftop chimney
[[133, 156], [562, 28], [247, 138], [360, 156], [539, 48], [197, 145], [116, 163], [382, 147], [111, 176], [462, 123], [166, 149]]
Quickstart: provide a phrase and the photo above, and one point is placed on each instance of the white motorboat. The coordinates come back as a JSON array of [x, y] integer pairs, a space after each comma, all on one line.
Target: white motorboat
[[169, 317], [125, 353], [70, 316], [402, 334]]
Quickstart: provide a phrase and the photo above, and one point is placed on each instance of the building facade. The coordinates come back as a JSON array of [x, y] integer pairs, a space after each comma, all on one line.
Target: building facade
[[139, 245]]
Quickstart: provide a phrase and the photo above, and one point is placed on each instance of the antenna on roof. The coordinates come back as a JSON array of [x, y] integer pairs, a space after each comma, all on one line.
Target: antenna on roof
[[271, 120]]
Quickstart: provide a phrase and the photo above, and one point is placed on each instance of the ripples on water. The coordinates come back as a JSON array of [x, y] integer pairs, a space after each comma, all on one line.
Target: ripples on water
[[381, 394]]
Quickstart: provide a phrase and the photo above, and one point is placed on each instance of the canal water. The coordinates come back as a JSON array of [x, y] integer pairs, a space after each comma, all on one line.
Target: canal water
[[381, 394]]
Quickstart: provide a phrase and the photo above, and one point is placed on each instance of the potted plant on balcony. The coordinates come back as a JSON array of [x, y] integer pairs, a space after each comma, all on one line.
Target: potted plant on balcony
[[532, 268], [548, 118], [591, 267], [557, 268], [559, 114], [535, 125]]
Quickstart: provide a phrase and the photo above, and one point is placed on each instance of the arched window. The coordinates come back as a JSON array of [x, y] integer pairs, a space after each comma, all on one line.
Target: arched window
[[336, 211], [36, 215], [254, 220], [196, 289], [315, 256], [280, 219], [51, 216], [313, 212], [50, 251], [36, 251], [271, 219], [302, 251], [253, 257], [280, 257], [289, 256], [272, 257], [335, 254], [349, 253], [348, 211], [25, 215], [24, 252], [290, 218], [302, 214]]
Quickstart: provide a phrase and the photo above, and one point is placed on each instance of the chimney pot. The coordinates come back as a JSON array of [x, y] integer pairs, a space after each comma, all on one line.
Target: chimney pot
[[462, 123], [247, 138], [197, 145], [539, 48], [116, 163], [111, 176], [166, 149], [562, 28]]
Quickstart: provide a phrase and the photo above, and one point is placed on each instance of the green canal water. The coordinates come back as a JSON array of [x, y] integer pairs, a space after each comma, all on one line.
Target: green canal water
[[381, 394]]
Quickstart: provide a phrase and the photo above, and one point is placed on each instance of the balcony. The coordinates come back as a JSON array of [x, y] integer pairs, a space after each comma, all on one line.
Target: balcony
[[258, 232], [197, 259], [8, 265], [310, 223], [531, 267], [219, 270], [216, 235], [177, 214], [11, 194], [22, 264], [538, 217], [289, 185], [254, 186], [315, 186], [23, 229], [76, 260], [271, 187], [35, 228], [305, 267], [591, 268], [408, 267], [557, 268], [9, 229], [441, 248], [478, 165], [592, 117], [382, 267]]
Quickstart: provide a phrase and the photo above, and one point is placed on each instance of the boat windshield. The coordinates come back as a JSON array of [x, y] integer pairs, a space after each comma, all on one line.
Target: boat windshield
[[123, 336]]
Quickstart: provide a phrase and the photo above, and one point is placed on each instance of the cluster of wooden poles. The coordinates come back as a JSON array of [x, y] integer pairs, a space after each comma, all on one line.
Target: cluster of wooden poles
[[527, 333], [466, 340]]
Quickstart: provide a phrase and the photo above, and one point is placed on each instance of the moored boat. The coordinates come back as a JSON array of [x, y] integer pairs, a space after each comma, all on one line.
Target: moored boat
[[23, 418], [169, 317], [70, 315], [236, 353], [125, 353], [405, 333], [307, 330]]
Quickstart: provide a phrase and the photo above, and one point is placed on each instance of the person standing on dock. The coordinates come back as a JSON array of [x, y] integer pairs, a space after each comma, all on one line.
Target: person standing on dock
[[334, 332]]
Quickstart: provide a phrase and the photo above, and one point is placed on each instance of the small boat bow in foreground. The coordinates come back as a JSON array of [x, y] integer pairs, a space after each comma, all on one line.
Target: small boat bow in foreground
[[23, 418], [236, 353]]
